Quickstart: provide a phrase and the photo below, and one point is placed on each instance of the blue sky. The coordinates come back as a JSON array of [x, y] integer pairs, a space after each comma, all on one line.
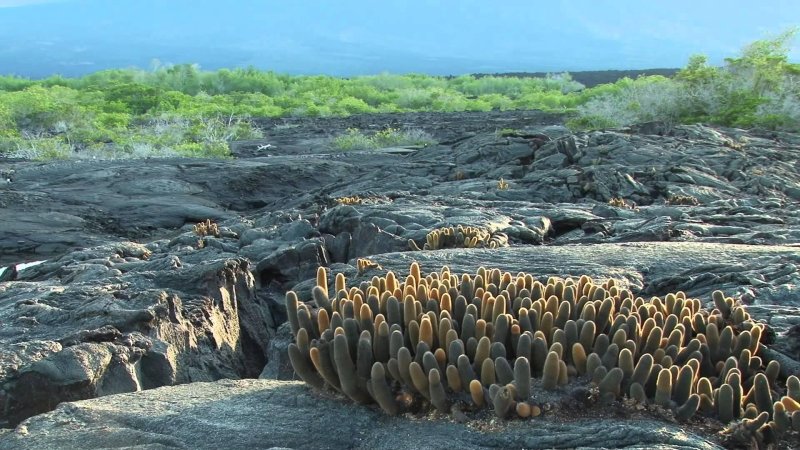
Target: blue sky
[[350, 37]]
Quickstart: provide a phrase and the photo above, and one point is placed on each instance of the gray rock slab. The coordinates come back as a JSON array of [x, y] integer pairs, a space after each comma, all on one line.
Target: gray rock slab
[[70, 332], [249, 414]]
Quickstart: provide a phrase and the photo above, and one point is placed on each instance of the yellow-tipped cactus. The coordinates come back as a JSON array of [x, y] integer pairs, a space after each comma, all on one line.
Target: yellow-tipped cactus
[[503, 371], [790, 405], [461, 237], [762, 393], [419, 379], [206, 228], [487, 372], [346, 370], [522, 378], [724, 402], [492, 333], [437, 394], [722, 305], [689, 408], [683, 386], [793, 387], [551, 371], [664, 388], [780, 418], [592, 363], [304, 368], [502, 402], [476, 392], [579, 358], [610, 386], [523, 410], [380, 390], [563, 373], [637, 393], [363, 265], [453, 379], [291, 311]]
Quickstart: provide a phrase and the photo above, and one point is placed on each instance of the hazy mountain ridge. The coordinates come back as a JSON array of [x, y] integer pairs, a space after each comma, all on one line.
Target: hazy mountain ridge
[[353, 37], [53, 59]]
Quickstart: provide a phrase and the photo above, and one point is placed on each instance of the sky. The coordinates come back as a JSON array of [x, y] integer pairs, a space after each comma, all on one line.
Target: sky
[[353, 37]]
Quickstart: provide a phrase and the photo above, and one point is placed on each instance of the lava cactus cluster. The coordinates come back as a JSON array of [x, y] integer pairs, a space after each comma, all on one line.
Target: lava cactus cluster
[[461, 237], [502, 341]]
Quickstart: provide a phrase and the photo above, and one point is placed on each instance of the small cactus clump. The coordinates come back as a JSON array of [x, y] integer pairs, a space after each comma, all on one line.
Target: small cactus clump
[[364, 264], [353, 200], [461, 237], [683, 200], [206, 228], [619, 202], [358, 200], [501, 341]]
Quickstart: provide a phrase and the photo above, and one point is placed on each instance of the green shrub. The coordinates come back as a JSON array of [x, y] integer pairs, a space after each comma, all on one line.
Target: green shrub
[[354, 139], [7, 126], [352, 105], [479, 105], [111, 112], [414, 99], [41, 149], [591, 122], [138, 98], [640, 100], [216, 149], [446, 101], [114, 111], [391, 137], [760, 88], [497, 101]]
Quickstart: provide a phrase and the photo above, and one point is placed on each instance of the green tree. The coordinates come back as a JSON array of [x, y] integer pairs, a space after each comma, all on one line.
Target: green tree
[[138, 98], [697, 71], [765, 62], [352, 105], [759, 87]]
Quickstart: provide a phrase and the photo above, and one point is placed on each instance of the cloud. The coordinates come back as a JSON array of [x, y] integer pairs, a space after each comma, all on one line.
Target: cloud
[[16, 3]]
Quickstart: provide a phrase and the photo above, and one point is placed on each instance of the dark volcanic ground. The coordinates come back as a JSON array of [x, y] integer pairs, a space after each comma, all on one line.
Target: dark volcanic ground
[[50, 208], [130, 299]]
